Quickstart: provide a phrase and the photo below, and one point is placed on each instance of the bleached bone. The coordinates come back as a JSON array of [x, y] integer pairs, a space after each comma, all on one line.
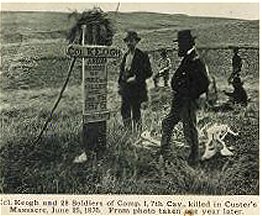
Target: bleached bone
[[147, 136], [81, 158], [210, 150], [216, 133]]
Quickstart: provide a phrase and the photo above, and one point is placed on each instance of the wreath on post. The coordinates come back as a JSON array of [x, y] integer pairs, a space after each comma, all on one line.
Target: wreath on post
[[99, 28]]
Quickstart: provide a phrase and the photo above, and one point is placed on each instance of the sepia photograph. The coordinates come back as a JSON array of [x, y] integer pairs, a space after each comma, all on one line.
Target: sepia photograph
[[129, 98]]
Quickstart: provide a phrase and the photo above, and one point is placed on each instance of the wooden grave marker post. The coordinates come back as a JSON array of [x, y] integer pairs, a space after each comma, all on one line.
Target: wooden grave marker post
[[94, 85]]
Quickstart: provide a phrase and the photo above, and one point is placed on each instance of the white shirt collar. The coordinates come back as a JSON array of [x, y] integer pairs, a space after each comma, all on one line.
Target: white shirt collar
[[131, 53], [190, 51]]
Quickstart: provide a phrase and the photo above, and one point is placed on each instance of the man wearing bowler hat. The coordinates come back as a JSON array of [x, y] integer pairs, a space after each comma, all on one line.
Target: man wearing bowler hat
[[135, 68], [188, 82]]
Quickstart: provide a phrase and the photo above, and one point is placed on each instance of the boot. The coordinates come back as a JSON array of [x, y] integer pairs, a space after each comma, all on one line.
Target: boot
[[193, 159]]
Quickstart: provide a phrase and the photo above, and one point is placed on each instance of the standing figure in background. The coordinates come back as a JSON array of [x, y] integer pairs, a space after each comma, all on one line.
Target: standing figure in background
[[164, 66], [236, 65], [188, 82], [135, 68]]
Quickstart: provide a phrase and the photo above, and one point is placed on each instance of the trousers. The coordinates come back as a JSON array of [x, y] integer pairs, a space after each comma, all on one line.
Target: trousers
[[184, 111], [131, 112]]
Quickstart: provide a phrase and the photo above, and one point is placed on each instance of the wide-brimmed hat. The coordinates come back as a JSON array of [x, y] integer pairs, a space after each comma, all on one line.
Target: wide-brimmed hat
[[132, 35], [184, 35]]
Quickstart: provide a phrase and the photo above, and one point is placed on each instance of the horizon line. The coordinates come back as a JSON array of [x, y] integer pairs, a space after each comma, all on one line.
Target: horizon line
[[130, 12]]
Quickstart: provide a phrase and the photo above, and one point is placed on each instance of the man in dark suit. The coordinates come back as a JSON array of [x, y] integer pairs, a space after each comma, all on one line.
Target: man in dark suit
[[134, 70], [188, 82]]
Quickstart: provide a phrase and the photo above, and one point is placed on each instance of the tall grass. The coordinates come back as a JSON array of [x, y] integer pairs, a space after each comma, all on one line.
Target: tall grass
[[125, 168]]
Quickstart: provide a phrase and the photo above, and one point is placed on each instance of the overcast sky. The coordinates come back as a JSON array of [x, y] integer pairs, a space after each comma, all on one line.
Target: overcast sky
[[232, 10]]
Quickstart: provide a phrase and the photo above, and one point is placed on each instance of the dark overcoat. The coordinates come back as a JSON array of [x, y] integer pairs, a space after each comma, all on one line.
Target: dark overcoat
[[140, 67], [236, 63], [190, 79]]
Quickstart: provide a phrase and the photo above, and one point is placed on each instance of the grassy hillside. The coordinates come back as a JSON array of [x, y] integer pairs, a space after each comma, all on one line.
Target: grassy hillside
[[33, 68], [25, 26], [32, 40]]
